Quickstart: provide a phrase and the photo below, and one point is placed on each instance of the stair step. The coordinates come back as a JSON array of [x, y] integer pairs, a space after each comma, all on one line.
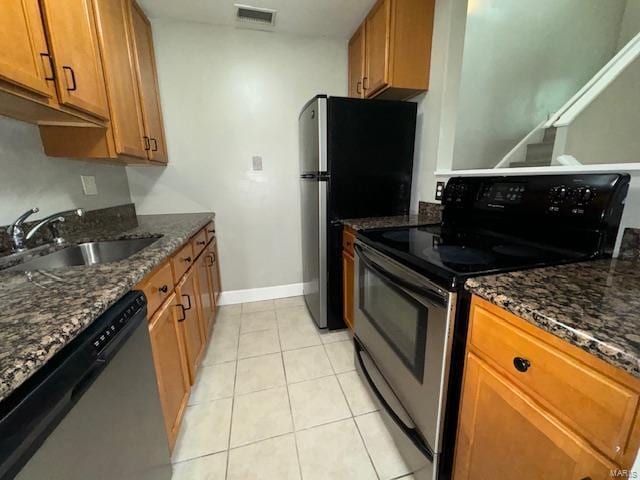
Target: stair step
[[541, 163], [549, 135], [539, 152]]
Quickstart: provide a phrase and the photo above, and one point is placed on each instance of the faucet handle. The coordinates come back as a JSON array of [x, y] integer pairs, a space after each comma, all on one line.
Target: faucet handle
[[20, 220]]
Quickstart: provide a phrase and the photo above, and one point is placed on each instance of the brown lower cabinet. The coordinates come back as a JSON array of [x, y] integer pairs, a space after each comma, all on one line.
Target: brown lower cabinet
[[535, 407], [206, 294], [214, 269], [182, 296], [169, 358], [348, 267], [190, 321]]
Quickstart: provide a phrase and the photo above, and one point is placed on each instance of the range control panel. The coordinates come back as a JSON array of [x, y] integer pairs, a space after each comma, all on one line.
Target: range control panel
[[576, 198], [101, 339], [560, 197]]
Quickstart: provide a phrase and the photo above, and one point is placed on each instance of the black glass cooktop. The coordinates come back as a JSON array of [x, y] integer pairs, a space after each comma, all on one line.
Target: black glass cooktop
[[449, 257]]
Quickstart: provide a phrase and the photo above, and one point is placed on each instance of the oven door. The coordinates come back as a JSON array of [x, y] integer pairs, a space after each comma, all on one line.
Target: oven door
[[403, 325]]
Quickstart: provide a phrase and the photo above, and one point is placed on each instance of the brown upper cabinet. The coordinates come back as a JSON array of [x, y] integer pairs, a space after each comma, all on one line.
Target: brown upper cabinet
[[52, 75], [100, 63], [147, 77], [390, 53], [112, 18], [124, 138], [72, 36], [356, 63], [24, 56]]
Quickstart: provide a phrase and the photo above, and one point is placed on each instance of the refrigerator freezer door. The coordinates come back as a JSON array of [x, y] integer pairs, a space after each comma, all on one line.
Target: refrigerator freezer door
[[313, 190]]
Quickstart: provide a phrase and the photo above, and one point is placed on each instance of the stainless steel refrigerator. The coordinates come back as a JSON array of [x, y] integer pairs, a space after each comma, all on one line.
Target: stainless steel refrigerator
[[356, 160]]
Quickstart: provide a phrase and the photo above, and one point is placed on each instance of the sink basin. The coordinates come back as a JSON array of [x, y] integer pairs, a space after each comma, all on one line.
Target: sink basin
[[90, 253]]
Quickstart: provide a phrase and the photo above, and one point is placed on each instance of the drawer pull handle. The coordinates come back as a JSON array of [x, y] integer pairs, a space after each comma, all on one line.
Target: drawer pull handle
[[53, 74], [155, 145], [521, 364], [201, 242], [147, 146], [211, 231], [74, 86], [188, 307], [164, 289], [187, 259], [184, 313]]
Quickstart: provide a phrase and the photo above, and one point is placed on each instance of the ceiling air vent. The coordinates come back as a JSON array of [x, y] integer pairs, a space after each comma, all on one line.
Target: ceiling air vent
[[255, 15]]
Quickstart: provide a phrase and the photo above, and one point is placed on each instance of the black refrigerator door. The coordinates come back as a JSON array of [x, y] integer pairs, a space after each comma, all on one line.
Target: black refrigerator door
[[370, 157]]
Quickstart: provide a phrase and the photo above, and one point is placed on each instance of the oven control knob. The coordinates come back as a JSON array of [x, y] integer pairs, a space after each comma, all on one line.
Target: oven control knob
[[587, 194]]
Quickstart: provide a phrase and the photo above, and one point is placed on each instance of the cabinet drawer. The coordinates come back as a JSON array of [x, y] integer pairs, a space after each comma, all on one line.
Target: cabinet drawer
[[210, 231], [348, 240], [157, 287], [181, 261], [199, 241], [591, 403]]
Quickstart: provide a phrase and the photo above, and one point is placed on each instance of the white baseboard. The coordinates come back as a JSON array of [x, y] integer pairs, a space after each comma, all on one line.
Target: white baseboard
[[256, 294]]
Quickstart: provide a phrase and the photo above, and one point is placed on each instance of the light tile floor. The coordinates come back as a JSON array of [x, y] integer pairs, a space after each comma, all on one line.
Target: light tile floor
[[276, 398]]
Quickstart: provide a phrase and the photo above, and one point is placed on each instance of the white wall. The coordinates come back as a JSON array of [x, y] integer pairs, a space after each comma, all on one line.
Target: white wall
[[522, 61], [227, 95], [607, 130], [630, 23], [437, 108], [29, 178]]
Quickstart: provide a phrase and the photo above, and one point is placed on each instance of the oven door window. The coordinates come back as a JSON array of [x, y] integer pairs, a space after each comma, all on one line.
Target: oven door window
[[398, 316]]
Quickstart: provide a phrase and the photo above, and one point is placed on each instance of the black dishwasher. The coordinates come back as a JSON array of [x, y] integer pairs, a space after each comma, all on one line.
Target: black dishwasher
[[93, 410]]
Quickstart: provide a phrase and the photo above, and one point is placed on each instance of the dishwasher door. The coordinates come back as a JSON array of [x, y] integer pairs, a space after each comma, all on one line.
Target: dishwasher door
[[115, 430]]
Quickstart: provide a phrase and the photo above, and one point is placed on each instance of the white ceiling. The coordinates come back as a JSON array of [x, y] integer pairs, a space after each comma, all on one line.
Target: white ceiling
[[332, 18]]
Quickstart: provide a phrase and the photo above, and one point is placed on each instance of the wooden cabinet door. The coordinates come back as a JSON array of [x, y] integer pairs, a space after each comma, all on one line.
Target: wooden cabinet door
[[171, 367], [24, 55], [504, 434], [377, 32], [116, 45], [206, 295], [348, 265], [190, 322], [356, 63], [148, 85], [72, 34], [214, 269]]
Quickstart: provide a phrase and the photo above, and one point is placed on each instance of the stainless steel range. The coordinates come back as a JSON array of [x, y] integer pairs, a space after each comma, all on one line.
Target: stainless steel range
[[411, 307]]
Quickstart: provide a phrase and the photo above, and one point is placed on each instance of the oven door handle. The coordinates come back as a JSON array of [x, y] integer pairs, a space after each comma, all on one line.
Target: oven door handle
[[410, 432], [422, 290]]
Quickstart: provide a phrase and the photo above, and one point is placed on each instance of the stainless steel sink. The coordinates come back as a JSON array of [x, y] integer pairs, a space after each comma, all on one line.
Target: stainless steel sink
[[90, 253]]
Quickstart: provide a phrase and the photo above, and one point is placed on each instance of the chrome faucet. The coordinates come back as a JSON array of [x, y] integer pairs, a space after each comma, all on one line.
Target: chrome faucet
[[16, 230]]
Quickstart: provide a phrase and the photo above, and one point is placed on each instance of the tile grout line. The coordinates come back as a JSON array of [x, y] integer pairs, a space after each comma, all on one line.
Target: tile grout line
[[353, 417], [233, 401], [293, 424]]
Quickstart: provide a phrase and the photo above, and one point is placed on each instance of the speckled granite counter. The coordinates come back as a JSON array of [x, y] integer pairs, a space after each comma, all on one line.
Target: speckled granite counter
[[43, 311], [593, 305], [387, 222]]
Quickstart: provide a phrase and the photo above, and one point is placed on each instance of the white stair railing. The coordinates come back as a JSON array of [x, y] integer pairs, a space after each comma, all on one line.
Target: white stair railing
[[594, 87]]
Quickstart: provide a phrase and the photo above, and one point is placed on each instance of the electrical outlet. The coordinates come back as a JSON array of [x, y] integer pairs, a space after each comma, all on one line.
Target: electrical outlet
[[89, 184], [439, 190], [257, 162]]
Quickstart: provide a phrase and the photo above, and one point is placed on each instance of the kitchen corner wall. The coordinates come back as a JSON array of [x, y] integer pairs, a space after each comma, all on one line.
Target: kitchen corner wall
[[29, 178], [228, 95]]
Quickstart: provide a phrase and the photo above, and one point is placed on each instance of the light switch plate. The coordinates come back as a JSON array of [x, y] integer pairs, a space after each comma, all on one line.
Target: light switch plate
[[257, 162], [89, 184]]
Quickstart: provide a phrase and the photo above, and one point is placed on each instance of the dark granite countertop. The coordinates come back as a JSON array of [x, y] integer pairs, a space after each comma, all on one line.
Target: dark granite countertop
[[42, 311], [389, 222], [592, 305]]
